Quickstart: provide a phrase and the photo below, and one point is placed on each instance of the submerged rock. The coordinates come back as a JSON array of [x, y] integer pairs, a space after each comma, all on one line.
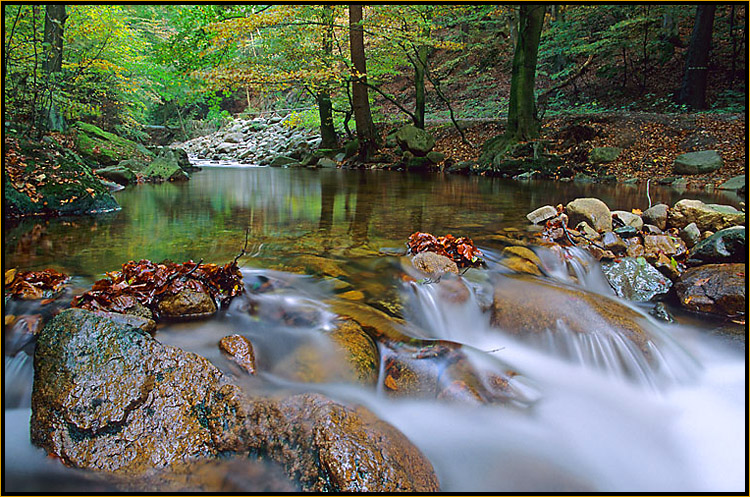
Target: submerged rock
[[530, 307], [109, 397]]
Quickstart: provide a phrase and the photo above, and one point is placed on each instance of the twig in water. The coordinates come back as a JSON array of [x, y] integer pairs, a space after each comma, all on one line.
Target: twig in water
[[244, 249], [648, 196], [495, 350]]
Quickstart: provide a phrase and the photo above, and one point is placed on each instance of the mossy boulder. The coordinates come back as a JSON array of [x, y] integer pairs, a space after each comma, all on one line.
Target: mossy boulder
[[164, 168], [604, 155], [104, 148], [119, 174], [415, 140], [53, 181]]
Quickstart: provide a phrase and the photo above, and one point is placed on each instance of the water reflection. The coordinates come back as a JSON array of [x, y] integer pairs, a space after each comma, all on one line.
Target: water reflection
[[332, 209]]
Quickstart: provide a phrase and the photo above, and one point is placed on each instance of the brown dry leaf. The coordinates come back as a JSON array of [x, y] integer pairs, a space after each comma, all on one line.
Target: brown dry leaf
[[390, 383]]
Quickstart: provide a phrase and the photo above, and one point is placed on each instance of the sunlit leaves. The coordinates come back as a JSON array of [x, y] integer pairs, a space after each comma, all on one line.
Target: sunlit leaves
[[461, 250]]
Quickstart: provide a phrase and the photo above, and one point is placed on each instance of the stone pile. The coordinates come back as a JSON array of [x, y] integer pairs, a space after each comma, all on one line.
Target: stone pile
[[253, 141], [693, 252]]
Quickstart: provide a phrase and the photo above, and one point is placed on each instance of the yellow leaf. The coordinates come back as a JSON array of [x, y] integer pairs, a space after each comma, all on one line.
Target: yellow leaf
[[10, 275]]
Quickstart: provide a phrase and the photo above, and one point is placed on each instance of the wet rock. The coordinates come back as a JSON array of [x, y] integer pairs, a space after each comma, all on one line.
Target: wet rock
[[669, 245], [282, 161], [634, 247], [713, 288], [690, 234], [188, 303], [110, 398], [635, 279], [727, 245], [240, 350], [415, 140], [736, 183], [705, 161], [147, 324], [453, 290], [434, 265], [629, 219], [164, 169], [362, 353], [522, 259], [656, 215], [590, 233], [613, 242], [650, 229], [406, 376], [531, 308], [707, 217], [660, 312], [625, 232], [541, 214], [592, 210], [320, 265], [668, 267]]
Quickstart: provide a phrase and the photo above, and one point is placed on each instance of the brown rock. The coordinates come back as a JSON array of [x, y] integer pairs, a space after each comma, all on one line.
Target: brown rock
[[362, 353], [188, 303], [526, 307], [669, 245], [713, 288], [240, 349], [434, 265], [634, 247], [109, 397]]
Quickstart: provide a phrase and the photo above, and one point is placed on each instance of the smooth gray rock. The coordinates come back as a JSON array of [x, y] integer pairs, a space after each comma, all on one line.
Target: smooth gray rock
[[705, 161]]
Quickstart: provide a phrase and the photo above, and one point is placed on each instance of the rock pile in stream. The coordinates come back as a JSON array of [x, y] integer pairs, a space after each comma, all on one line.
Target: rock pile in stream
[[693, 252], [109, 397], [253, 141]]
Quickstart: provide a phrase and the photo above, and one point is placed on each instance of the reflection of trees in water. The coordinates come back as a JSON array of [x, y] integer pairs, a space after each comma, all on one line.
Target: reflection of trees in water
[[366, 196]]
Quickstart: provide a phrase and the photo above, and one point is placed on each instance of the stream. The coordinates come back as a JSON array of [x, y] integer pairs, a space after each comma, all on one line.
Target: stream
[[597, 418]]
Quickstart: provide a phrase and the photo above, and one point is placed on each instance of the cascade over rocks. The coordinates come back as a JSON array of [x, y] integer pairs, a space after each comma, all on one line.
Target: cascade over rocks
[[253, 141], [109, 397]]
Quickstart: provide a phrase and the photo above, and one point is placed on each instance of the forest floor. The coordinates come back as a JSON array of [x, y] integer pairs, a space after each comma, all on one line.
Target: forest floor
[[650, 141]]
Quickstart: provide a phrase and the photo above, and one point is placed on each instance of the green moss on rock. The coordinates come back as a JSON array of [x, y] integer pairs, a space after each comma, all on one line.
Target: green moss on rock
[[103, 147]]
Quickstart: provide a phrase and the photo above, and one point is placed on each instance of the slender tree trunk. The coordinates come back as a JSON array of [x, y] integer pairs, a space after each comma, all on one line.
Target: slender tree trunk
[[362, 115], [419, 71], [54, 22], [695, 79], [523, 123], [325, 106]]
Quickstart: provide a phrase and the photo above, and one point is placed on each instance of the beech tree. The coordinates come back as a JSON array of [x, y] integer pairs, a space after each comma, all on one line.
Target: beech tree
[[523, 122], [694, 82], [54, 22], [366, 133]]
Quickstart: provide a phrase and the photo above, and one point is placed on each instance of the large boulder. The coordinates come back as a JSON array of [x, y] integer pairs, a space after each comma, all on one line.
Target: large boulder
[[736, 183], [105, 148], [162, 169], [705, 161], [713, 288], [635, 279], [592, 210], [110, 398], [119, 174], [415, 140], [727, 245], [55, 182], [707, 217]]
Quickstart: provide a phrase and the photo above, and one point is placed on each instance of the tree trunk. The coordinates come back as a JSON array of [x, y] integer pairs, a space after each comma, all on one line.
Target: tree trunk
[[419, 73], [695, 79], [523, 123], [325, 107], [362, 115], [54, 21]]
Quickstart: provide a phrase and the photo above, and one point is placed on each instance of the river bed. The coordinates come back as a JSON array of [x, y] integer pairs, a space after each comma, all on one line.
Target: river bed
[[324, 233]]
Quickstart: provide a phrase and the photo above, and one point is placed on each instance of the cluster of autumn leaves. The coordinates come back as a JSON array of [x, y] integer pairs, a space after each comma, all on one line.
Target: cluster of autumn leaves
[[142, 282], [146, 283]]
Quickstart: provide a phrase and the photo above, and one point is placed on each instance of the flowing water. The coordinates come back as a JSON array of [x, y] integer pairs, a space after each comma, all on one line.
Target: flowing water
[[592, 411]]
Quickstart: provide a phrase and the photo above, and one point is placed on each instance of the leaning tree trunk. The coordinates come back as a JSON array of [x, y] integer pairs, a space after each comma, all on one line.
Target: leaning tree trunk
[[362, 115], [325, 107], [523, 124], [54, 21], [695, 79]]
